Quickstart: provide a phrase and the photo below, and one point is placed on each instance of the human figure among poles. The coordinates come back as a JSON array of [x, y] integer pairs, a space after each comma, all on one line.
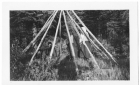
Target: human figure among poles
[[83, 40]]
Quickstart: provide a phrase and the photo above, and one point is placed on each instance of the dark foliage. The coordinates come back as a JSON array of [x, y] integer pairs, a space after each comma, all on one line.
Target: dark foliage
[[67, 69], [111, 27]]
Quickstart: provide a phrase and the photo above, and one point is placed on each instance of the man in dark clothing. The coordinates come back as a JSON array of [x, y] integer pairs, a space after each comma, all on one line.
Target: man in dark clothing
[[67, 69]]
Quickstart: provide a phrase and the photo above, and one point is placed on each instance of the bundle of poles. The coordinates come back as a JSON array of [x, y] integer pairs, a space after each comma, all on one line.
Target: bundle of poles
[[98, 46]]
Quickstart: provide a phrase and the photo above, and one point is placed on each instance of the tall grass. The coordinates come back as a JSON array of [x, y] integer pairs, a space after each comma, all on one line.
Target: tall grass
[[108, 69], [39, 70], [104, 73]]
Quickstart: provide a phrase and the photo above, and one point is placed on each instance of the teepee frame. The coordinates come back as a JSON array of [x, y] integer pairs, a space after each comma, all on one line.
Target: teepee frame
[[76, 28]]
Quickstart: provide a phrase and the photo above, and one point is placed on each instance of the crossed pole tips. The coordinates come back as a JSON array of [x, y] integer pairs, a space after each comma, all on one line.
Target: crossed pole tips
[[76, 28]]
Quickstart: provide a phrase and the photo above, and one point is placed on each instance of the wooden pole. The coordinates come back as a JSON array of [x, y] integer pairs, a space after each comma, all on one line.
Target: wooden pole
[[42, 38], [77, 33], [43, 28], [91, 55], [96, 47], [85, 43], [73, 24], [68, 35], [94, 36], [60, 40], [52, 49], [71, 46]]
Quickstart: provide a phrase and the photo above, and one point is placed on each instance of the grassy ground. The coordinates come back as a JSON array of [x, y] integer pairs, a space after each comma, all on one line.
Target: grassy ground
[[39, 71], [105, 73]]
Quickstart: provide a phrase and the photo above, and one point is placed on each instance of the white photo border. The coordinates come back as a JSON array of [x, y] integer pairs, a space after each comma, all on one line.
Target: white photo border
[[133, 27]]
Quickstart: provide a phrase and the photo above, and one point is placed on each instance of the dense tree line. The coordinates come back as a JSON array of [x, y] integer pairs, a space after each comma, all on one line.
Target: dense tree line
[[111, 27]]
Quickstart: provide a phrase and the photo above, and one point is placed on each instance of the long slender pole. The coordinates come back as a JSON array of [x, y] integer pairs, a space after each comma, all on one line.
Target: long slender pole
[[91, 55], [52, 49], [71, 46], [60, 40], [43, 28], [77, 33], [85, 43], [96, 47], [42, 38], [83, 31], [94, 36], [68, 34], [72, 21]]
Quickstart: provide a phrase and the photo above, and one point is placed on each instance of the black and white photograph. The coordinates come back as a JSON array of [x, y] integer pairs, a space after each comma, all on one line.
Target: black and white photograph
[[69, 45]]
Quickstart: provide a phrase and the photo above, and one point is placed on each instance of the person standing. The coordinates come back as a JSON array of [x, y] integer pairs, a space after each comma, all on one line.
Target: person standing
[[83, 40]]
